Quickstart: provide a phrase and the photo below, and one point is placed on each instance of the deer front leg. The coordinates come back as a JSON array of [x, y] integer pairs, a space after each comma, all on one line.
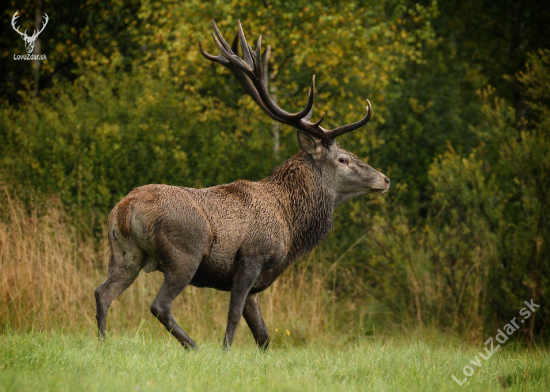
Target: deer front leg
[[244, 277], [253, 317]]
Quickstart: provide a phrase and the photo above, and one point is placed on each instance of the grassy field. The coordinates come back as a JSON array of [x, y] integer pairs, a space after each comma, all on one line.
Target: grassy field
[[71, 362]]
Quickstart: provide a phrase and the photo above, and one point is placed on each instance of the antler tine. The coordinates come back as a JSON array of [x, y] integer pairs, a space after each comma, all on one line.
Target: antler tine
[[219, 35], [13, 19], [245, 48], [318, 122], [219, 58], [351, 127], [308, 110], [43, 24]]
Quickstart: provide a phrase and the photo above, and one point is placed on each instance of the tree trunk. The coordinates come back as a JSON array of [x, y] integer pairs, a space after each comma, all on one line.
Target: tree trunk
[[37, 47]]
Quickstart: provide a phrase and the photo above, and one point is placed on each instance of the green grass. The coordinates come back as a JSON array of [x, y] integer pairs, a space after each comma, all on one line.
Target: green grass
[[58, 361]]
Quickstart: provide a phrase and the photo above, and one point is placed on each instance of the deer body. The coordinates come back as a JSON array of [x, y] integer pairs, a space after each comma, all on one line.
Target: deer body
[[226, 223], [237, 237]]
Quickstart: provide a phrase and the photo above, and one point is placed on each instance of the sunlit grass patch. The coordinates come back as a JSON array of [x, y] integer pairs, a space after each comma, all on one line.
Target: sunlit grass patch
[[144, 361]]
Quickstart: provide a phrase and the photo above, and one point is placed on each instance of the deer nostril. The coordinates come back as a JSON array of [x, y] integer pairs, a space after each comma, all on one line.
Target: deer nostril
[[387, 180]]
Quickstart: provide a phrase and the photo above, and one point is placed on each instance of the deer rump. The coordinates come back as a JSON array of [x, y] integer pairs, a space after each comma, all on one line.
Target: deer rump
[[218, 226]]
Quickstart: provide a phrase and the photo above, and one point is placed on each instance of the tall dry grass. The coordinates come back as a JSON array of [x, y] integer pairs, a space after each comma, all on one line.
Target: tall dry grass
[[48, 272]]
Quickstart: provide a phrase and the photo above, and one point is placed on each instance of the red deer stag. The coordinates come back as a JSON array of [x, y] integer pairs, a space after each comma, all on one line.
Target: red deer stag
[[241, 236]]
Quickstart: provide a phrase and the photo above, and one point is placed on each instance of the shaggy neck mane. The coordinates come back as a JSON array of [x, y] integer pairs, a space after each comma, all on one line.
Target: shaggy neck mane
[[306, 202]]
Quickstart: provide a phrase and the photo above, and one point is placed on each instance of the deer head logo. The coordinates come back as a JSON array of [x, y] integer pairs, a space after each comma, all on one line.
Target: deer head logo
[[29, 41]]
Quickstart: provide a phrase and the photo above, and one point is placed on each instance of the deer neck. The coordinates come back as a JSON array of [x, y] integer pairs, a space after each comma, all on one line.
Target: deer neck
[[307, 203]]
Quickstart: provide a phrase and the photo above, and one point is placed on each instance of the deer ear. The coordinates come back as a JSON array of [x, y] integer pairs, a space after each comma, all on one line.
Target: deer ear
[[310, 146]]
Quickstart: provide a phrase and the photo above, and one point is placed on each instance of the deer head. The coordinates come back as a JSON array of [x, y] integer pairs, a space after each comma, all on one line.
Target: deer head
[[343, 172], [29, 41]]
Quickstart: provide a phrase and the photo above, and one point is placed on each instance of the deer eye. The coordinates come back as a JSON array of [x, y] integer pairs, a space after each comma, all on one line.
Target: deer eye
[[343, 160]]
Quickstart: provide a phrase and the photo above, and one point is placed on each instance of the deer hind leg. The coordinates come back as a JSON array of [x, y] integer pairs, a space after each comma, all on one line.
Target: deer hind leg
[[180, 267], [124, 267]]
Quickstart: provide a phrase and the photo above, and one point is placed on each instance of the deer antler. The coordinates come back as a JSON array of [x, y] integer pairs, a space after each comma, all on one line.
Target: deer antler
[[253, 76], [15, 16], [24, 35], [36, 34]]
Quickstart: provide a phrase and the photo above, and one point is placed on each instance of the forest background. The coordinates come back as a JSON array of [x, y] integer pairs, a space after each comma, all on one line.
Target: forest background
[[461, 98]]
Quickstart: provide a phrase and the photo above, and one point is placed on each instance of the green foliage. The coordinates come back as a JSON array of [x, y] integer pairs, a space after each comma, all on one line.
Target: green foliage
[[483, 248], [505, 185], [430, 108]]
